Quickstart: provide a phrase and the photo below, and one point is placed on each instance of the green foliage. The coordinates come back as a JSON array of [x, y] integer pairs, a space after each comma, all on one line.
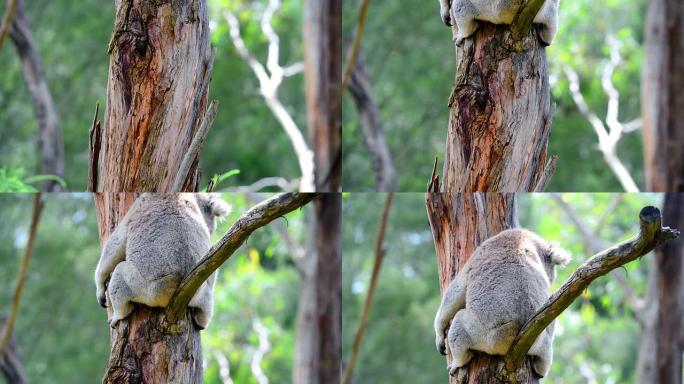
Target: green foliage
[[597, 334]]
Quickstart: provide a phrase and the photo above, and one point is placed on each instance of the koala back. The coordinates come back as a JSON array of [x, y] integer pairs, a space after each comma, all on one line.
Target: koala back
[[167, 235], [508, 277]]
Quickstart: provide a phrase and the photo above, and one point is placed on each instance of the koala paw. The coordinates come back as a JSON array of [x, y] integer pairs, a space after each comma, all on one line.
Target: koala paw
[[114, 322], [452, 369], [446, 18], [101, 299], [441, 345], [200, 319]]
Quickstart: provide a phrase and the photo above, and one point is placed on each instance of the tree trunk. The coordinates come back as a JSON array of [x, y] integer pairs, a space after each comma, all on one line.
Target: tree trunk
[[662, 104], [10, 361], [670, 280], [323, 76], [50, 146], [500, 114], [460, 222], [159, 70], [143, 348], [373, 135], [663, 132]]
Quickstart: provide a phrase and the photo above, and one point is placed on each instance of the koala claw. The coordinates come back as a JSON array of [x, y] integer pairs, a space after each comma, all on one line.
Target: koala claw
[[113, 323], [441, 346], [102, 300], [452, 369]]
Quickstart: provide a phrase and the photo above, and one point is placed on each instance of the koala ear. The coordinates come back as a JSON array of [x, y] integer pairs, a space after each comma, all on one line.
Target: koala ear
[[217, 206], [558, 255]]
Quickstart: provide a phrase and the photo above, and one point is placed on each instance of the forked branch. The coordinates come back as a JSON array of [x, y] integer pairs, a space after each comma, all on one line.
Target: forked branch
[[523, 20], [257, 217], [651, 235]]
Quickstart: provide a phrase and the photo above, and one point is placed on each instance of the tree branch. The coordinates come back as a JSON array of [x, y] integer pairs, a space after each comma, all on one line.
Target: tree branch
[[365, 312], [258, 216], [522, 23], [595, 244], [195, 146], [356, 44], [21, 278], [269, 85], [8, 19], [651, 235], [262, 350]]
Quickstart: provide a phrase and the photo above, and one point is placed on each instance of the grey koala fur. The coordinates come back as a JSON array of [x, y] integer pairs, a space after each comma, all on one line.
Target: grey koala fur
[[157, 243], [505, 281], [466, 12]]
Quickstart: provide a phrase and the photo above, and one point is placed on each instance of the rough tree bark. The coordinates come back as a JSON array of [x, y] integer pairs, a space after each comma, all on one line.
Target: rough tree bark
[[660, 358], [323, 72], [373, 135], [460, 222], [50, 146], [142, 351], [159, 71], [500, 113], [670, 285], [662, 104]]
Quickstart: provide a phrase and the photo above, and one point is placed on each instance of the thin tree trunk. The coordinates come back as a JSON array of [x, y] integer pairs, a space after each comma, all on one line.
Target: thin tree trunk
[[159, 71], [500, 114], [142, 348], [305, 361], [10, 361], [50, 146], [460, 222], [662, 104], [373, 135], [323, 72]]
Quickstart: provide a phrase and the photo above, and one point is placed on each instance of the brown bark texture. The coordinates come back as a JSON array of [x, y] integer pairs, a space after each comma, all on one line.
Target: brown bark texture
[[50, 146], [159, 71], [460, 222], [662, 103], [500, 114], [670, 285], [328, 208], [373, 135], [143, 348], [323, 76]]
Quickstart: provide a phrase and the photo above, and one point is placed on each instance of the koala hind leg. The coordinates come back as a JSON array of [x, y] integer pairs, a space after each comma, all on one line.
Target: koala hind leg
[[542, 351], [122, 290], [464, 12], [202, 305], [460, 338], [547, 20]]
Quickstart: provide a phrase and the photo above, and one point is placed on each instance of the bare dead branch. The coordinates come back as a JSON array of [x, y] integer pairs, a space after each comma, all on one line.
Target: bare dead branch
[[373, 133], [8, 19], [595, 245], [195, 146], [365, 312], [355, 47], [224, 367], [269, 83], [261, 351], [21, 278], [651, 235], [258, 216], [610, 133], [522, 23]]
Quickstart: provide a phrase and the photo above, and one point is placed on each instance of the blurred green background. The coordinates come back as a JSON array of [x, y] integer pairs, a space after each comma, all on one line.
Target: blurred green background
[[411, 64], [72, 38], [597, 336], [62, 332]]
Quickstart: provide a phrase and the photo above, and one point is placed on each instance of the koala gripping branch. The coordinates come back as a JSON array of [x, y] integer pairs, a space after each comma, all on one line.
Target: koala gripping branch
[[651, 235], [258, 216]]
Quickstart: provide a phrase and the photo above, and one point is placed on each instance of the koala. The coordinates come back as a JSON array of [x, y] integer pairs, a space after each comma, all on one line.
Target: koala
[[466, 12], [505, 281], [157, 243]]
